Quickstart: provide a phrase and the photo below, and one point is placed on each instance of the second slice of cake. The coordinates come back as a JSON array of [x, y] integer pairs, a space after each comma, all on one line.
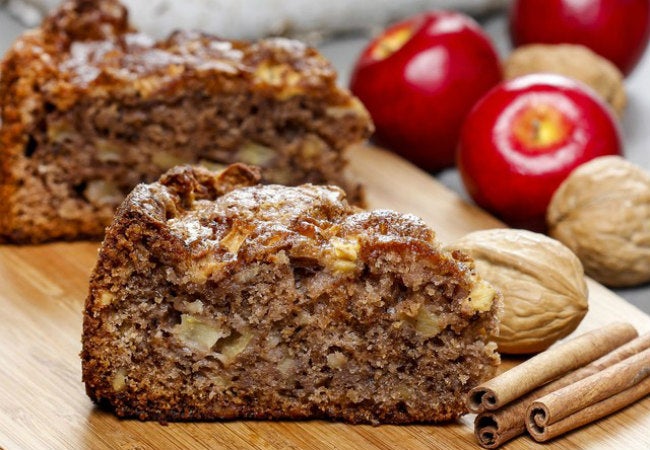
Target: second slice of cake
[[215, 297], [90, 107]]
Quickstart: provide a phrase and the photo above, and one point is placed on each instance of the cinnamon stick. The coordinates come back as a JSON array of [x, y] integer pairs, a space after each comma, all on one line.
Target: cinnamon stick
[[593, 412], [494, 428], [589, 399], [548, 365]]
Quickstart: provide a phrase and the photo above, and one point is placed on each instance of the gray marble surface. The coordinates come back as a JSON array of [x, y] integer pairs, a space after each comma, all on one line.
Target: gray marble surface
[[635, 124]]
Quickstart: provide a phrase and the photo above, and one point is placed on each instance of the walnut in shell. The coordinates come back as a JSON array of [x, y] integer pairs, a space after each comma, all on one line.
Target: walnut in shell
[[542, 282], [574, 61], [602, 212]]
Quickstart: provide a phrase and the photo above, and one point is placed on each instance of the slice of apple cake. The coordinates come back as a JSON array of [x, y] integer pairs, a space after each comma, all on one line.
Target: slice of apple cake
[[89, 108], [215, 297]]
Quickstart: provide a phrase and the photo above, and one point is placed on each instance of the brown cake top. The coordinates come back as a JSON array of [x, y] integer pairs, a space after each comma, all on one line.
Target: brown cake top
[[235, 197], [209, 223], [87, 48]]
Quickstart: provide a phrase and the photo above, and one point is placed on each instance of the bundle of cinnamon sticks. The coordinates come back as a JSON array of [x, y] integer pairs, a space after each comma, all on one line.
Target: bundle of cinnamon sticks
[[565, 387]]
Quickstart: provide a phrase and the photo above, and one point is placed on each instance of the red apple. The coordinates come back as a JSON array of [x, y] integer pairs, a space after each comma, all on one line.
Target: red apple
[[615, 29], [420, 78], [524, 138]]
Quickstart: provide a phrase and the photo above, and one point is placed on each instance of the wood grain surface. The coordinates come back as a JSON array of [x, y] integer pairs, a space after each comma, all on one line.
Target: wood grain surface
[[42, 399]]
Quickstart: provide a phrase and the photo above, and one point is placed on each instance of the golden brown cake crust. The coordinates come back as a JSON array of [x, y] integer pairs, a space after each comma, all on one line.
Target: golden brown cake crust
[[216, 298], [66, 86]]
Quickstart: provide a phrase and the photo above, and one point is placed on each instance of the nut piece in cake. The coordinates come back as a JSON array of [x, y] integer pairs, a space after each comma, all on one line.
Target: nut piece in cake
[[302, 307]]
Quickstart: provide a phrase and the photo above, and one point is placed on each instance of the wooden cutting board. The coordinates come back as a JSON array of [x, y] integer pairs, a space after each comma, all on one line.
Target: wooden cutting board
[[42, 399]]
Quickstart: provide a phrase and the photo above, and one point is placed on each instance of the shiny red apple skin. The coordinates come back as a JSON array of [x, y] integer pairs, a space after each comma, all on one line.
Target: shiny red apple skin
[[512, 178], [618, 30], [419, 95]]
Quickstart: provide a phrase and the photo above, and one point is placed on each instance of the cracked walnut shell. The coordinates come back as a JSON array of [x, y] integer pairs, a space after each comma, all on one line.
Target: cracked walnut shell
[[602, 212], [542, 282], [574, 61]]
